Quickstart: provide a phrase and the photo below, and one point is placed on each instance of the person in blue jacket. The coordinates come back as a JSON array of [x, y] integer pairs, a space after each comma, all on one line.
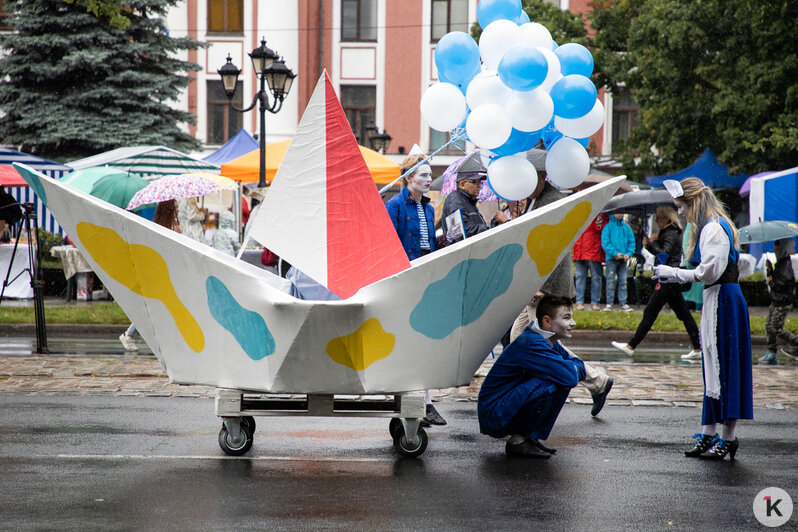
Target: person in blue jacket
[[528, 384], [411, 213], [618, 242]]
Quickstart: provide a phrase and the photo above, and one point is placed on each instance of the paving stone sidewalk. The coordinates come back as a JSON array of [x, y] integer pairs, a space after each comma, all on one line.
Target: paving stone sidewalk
[[135, 375]]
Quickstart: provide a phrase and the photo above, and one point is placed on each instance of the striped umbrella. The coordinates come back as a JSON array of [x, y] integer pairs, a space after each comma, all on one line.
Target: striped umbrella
[[171, 187]]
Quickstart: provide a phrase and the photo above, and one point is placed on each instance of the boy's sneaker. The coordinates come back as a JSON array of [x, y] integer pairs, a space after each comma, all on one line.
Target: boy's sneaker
[[127, 342], [692, 355], [608, 308], [792, 353], [769, 358], [626, 308]]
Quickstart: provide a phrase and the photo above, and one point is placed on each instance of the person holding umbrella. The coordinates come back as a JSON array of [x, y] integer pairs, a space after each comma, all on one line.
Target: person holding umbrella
[[781, 285], [725, 330]]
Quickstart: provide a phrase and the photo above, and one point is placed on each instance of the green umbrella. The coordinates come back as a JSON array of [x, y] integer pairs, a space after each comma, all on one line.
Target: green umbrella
[[767, 231], [119, 189], [85, 178]]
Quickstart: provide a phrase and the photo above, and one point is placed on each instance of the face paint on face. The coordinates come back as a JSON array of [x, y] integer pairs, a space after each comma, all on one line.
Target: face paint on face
[[563, 323], [421, 179]]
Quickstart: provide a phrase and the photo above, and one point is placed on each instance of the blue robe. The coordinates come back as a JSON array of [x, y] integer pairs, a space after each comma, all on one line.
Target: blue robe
[[526, 388]]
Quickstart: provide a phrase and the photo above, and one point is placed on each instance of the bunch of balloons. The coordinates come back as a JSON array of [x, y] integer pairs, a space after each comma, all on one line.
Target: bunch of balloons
[[511, 90]]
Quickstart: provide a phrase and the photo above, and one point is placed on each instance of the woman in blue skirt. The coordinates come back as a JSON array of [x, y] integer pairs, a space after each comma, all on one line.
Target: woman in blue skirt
[[725, 332]]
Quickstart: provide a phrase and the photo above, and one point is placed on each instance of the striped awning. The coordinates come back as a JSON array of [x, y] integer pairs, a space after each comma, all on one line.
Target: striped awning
[[148, 162], [8, 156]]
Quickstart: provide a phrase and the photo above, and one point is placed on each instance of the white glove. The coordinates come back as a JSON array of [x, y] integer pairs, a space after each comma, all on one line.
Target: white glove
[[669, 274]]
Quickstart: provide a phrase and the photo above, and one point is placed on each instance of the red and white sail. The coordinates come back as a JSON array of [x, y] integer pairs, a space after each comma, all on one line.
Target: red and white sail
[[323, 213]]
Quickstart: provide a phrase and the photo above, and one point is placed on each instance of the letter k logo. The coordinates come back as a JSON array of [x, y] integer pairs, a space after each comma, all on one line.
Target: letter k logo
[[772, 506]]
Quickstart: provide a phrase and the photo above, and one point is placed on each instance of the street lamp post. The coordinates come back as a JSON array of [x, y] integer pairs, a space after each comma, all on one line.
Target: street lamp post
[[377, 141], [271, 70]]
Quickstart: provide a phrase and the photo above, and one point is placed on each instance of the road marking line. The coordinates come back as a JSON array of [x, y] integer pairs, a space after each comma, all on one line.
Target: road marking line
[[204, 457]]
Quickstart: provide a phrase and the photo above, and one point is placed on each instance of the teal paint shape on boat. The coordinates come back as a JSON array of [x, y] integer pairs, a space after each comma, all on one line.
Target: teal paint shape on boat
[[33, 180], [465, 293], [247, 327]]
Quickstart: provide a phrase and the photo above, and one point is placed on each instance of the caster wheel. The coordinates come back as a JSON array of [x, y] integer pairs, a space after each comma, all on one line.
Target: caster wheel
[[406, 449], [395, 427], [232, 447], [249, 421]]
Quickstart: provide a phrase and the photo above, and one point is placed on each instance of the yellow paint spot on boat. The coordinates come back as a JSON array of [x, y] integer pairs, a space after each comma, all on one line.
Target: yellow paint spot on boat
[[363, 347], [142, 270], [545, 242]]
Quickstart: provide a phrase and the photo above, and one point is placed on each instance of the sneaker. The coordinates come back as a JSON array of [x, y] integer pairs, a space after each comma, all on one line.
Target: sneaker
[[769, 358], [692, 355], [792, 353], [608, 308], [127, 342], [580, 306], [433, 417], [595, 307], [626, 308], [623, 348]]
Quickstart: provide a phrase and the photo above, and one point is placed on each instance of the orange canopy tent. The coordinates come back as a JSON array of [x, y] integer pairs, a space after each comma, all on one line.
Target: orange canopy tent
[[245, 168]]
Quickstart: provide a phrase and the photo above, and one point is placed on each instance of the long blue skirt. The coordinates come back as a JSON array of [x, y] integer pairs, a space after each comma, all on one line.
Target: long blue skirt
[[734, 354]]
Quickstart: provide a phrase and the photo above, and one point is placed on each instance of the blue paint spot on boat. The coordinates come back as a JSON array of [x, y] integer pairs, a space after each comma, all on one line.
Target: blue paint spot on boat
[[246, 326], [34, 181], [465, 293]]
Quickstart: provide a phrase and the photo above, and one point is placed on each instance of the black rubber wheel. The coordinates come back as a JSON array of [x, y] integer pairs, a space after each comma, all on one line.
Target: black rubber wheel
[[404, 448], [235, 448], [395, 427], [250, 422]]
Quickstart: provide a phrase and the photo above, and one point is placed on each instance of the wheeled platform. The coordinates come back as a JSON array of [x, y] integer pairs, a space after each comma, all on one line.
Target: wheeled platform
[[238, 410]]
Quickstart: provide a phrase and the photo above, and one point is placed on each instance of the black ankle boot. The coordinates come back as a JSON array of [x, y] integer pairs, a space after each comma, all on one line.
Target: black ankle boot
[[702, 444], [722, 448]]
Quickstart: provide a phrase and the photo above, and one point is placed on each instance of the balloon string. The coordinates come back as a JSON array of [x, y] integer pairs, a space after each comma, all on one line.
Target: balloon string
[[457, 135]]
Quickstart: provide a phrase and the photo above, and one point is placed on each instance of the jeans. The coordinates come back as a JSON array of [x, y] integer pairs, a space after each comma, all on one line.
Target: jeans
[[616, 273], [581, 267]]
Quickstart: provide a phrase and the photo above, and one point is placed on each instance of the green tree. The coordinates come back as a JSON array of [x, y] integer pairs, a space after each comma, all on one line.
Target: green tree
[[713, 73], [76, 85]]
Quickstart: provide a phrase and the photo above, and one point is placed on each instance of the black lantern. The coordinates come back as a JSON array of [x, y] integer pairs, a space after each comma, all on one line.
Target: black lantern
[[229, 74]]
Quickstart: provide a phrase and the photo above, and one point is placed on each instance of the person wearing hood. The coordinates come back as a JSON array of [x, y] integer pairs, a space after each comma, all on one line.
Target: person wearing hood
[[469, 178], [191, 218], [781, 285], [226, 238], [618, 242], [410, 211]]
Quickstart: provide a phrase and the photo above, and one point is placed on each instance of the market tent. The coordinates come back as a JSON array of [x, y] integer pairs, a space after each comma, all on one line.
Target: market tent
[[148, 162], [10, 177], [708, 169], [773, 197], [245, 168], [24, 194], [242, 143]]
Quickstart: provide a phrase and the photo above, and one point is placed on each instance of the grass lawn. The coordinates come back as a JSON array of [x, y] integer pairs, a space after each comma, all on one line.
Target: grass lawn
[[111, 313]]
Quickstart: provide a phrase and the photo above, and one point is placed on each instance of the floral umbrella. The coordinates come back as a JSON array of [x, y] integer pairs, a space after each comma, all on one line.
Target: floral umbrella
[[225, 183], [449, 185], [171, 187]]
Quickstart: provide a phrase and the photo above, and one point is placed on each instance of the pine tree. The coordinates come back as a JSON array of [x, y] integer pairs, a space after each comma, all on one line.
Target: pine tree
[[77, 86]]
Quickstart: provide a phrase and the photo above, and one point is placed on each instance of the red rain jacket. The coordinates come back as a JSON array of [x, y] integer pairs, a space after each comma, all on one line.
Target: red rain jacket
[[588, 246]]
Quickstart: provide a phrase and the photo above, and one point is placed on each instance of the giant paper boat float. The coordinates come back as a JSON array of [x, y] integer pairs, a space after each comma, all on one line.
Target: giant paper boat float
[[211, 319]]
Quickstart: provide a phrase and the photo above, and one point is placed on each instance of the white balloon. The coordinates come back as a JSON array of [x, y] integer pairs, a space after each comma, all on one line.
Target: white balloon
[[487, 87], [443, 106], [512, 178], [567, 163], [529, 110], [536, 35], [581, 127], [498, 38], [488, 126], [555, 69]]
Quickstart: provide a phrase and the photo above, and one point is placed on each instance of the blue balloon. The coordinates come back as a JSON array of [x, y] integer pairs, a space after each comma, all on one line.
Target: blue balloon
[[462, 86], [523, 18], [584, 142], [550, 135], [523, 68], [517, 142], [457, 57], [575, 59], [490, 10], [573, 96]]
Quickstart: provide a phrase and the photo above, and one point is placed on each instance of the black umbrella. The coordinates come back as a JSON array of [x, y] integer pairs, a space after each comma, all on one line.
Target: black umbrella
[[642, 202]]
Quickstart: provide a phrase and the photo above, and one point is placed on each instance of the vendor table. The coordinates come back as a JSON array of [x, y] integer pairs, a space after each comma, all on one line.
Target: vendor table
[[21, 288], [75, 265]]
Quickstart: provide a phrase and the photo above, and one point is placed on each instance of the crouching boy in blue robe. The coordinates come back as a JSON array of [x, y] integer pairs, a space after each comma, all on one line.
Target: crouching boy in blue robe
[[529, 383]]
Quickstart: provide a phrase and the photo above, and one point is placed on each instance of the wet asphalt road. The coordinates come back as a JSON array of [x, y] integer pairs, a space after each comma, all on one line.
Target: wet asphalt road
[[121, 463]]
